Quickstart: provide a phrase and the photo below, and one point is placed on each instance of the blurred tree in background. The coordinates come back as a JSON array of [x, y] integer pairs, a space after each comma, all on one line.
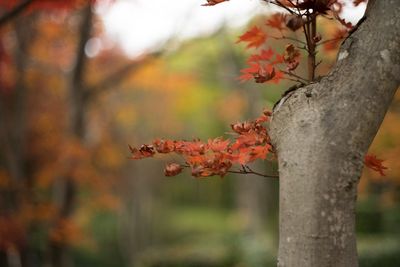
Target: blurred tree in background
[[70, 103]]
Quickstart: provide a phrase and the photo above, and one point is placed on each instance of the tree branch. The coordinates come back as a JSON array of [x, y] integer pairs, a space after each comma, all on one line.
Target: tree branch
[[108, 82], [15, 11]]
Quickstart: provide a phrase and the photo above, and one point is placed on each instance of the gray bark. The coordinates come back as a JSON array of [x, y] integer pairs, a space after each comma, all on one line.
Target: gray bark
[[322, 132]]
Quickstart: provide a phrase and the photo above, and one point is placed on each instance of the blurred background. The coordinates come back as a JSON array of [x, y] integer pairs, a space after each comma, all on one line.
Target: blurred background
[[80, 80]]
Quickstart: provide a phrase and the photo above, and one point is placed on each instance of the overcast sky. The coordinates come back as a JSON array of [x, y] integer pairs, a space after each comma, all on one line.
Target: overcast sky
[[141, 25]]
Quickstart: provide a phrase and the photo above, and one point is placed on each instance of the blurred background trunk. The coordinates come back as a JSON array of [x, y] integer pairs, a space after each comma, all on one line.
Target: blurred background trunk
[[65, 186]]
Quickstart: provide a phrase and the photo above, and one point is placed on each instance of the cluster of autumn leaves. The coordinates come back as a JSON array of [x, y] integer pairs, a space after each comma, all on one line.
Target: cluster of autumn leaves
[[216, 156], [266, 65], [251, 139]]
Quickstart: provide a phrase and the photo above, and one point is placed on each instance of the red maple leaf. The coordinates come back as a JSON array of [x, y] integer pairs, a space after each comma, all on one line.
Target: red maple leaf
[[278, 77], [241, 127], [248, 73], [260, 73], [337, 37], [243, 156], [259, 152], [263, 56], [276, 21], [372, 162], [262, 118], [279, 59], [217, 144], [164, 146], [190, 148], [255, 37]]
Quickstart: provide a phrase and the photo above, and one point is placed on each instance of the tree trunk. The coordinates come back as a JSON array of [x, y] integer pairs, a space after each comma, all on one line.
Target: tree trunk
[[65, 187], [322, 132]]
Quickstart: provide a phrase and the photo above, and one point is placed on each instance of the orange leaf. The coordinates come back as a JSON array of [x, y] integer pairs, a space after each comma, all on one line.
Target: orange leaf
[[259, 152], [145, 151], [263, 56], [278, 77], [261, 74], [279, 59], [217, 144], [255, 37], [337, 37], [277, 21], [164, 146]]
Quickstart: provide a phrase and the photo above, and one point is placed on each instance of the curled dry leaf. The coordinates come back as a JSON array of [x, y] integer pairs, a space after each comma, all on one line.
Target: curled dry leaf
[[291, 57], [164, 146], [317, 38], [294, 22], [172, 169], [145, 151]]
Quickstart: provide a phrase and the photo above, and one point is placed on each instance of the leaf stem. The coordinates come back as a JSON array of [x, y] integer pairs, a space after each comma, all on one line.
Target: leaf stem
[[294, 75], [289, 38]]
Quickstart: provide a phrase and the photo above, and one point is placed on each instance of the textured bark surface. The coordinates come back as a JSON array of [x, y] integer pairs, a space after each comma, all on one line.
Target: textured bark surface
[[322, 132]]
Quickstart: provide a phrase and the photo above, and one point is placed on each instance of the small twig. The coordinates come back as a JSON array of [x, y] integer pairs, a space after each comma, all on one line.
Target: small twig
[[288, 38], [245, 170], [254, 173], [303, 48], [251, 171], [294, 75]]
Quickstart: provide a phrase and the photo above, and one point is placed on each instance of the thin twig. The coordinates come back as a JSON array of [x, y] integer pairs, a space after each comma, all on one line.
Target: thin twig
[[245, 170], [288, 38], [303, 48], [251, 171], [294, 75]]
